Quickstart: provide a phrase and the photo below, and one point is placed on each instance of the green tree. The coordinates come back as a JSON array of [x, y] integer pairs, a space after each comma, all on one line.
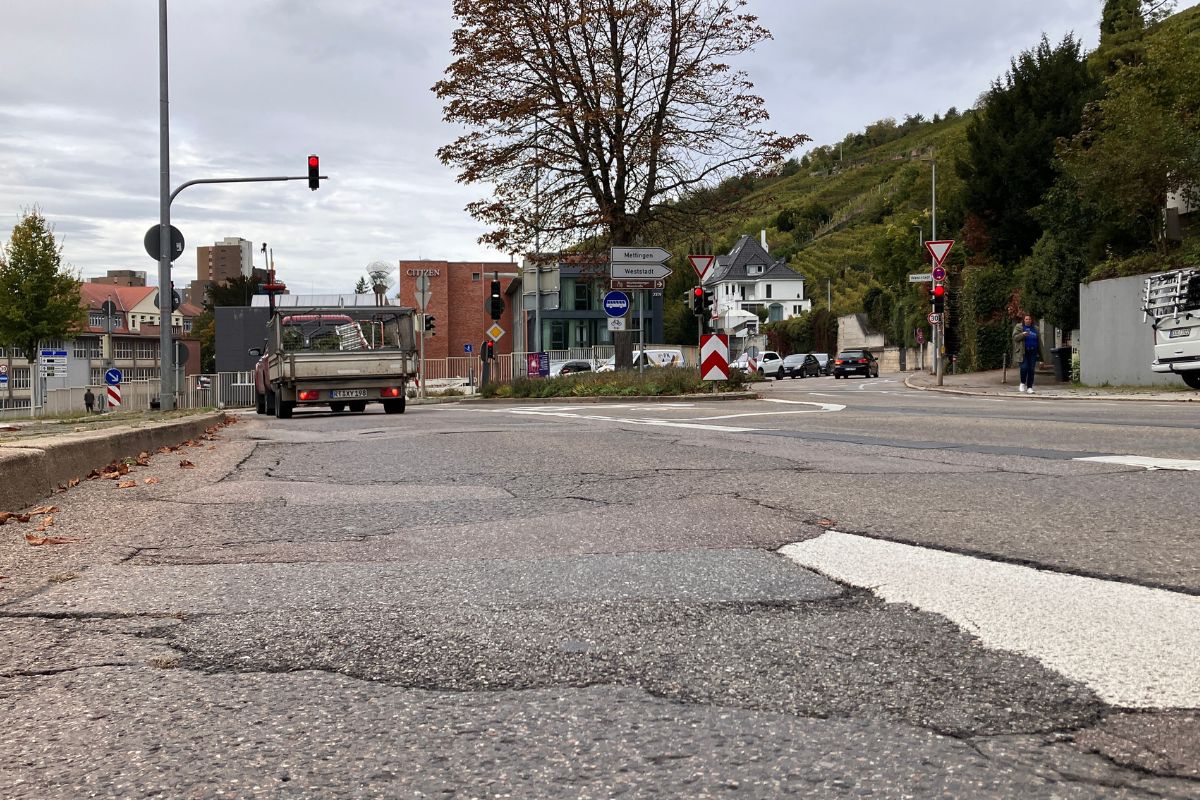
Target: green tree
[[361, 287], [236, 291], [39, 297], [1009, 163], [1142, 140], [1122, 27], [204, 331]]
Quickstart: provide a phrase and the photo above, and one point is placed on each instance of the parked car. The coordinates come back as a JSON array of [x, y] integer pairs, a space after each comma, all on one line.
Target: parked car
[[855, 362], [801, 365], [770, 364], [826, 363], [654, 358], [570, 367]]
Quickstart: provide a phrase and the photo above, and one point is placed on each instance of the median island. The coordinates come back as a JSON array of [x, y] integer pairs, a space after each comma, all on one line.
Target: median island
[[653, 382]]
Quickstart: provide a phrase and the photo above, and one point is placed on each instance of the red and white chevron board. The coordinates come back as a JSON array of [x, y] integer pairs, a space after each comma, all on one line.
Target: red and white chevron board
[[114, 396], [714, 357]]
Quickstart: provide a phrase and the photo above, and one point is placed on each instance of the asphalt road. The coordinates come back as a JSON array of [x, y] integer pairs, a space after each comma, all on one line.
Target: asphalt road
[[847, 588]]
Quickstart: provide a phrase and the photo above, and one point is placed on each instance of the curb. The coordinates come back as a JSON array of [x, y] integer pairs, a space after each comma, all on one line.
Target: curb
[[32, 469], [1106, 397]]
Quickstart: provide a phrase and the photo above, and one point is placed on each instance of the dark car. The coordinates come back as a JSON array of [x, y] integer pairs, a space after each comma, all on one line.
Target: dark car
[[855, 362], [800, 365], [826, 363]]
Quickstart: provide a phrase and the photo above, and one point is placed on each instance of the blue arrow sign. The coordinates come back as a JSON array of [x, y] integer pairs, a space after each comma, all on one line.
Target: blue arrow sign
[[113, 377], [616, 304]]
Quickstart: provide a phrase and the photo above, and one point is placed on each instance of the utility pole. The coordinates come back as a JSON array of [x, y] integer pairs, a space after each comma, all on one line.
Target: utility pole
[[166, 354], [939, 330]]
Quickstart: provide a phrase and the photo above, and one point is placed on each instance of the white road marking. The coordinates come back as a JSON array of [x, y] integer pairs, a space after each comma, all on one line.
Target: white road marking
[[1147, 462], [564, 414], [1135, 647]]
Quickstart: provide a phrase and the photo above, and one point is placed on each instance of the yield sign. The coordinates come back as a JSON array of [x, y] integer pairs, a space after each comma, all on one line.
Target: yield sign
[[714, 357], [702, 264], [939, 249]]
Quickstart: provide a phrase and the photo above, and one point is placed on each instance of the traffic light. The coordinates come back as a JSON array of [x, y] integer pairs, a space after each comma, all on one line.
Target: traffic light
[[314, 173], [696, 301], [939, 298], [496, 304], [489, 351], [707, 302], [430, 324]]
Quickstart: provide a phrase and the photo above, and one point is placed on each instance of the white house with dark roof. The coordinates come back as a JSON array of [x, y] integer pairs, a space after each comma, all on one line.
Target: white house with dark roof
[[748, 279]]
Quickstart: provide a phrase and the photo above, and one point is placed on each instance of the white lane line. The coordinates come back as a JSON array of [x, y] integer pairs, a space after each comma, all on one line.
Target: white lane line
[[1147, 462], [1135, 647], [561, 414]]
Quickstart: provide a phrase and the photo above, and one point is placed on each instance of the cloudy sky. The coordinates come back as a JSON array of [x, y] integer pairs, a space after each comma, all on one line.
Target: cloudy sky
[[257, 85]]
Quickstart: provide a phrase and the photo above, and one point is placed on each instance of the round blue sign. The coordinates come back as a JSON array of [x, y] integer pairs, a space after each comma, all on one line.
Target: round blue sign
[[113, 377], [616, 304]]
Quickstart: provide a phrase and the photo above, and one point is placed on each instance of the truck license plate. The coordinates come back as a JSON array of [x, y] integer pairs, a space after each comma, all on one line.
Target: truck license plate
[[338, 394], [1179, 333]]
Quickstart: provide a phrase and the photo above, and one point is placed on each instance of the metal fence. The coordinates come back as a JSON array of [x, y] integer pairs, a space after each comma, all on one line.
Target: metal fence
[[236, 389]]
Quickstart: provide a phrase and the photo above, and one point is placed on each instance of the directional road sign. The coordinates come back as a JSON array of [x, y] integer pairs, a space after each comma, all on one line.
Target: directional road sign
[[637, 283], [639, 271], [939, 249], [638, 255], [920, 277], [113, 377], [616, 304], [714, 357], [935, 318]]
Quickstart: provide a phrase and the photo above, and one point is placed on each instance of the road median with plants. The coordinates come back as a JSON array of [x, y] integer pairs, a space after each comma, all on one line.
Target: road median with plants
[[654, 382]]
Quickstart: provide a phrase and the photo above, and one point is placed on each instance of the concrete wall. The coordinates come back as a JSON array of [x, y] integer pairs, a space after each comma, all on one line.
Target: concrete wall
[[852, 333], [1115, 346]]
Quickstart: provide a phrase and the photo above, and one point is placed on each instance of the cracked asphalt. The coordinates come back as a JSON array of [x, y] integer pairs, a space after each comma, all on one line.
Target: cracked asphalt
[[514, 600]]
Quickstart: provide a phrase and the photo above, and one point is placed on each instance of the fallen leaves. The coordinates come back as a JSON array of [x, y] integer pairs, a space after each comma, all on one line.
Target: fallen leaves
[[185, 464], [126, 484], [37, 541], [150, 481], [43, 510]]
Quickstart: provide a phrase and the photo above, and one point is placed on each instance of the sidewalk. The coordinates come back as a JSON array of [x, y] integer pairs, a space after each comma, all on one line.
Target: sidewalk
[[992, 384]]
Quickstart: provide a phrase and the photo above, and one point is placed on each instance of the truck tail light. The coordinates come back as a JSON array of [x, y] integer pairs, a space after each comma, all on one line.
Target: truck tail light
[[308, 395], [391, 391]]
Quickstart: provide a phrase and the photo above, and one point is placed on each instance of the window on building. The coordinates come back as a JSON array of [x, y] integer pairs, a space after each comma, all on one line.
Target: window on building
[[20, 377], [583, 336], [187, 324], [583, 296], [147, 349], [797, 309], [97, 376], [768, 291], [474, 276], [123, 348], [743, 288], [558, 334], [96, 319], [87, 347]]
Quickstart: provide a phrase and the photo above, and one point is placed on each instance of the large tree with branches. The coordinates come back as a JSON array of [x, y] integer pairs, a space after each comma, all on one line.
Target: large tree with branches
[[589, 117]]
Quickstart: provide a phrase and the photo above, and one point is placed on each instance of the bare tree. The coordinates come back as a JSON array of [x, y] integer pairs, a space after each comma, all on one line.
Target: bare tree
[[380, 273], [589, 117]]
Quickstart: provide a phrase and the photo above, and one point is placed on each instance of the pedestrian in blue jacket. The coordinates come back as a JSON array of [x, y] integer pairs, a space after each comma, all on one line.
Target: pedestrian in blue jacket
[[1026, 337]]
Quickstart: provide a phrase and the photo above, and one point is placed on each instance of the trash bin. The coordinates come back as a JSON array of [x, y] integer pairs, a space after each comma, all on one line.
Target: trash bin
[[1061, 356]]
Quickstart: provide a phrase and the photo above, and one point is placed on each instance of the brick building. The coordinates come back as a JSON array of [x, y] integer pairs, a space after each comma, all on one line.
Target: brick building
[[459, 296], [122, 277], [230, 258]]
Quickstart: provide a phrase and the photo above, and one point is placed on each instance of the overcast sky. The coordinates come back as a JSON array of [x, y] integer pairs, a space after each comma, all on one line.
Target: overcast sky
[[257, 85]]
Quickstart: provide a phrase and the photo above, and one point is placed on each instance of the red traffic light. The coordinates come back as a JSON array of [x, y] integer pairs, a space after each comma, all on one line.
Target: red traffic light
[[698, 291], [314, 172], [939, 290]]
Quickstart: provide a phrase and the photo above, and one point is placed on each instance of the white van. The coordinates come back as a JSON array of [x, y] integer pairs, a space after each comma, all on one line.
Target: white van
[[653, 358]]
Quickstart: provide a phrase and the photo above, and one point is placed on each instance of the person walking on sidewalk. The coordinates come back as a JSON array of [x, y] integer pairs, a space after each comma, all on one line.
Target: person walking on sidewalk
[[89, 400], [1026, 337]]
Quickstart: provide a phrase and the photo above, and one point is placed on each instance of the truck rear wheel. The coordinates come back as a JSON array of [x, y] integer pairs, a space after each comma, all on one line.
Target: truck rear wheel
[[337, 408], [394, 406], [260, 403], [283, 409], [1192, 378], [358, 405]]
